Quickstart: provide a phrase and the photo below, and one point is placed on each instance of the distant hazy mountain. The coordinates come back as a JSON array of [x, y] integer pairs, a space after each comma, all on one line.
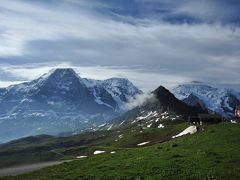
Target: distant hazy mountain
[[216, 99], [61, 101], [161, 106]]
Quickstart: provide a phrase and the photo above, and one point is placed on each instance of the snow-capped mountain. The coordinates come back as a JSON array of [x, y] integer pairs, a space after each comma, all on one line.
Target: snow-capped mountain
[[119, 89], [61, 101], [160, 107], [216, 99]]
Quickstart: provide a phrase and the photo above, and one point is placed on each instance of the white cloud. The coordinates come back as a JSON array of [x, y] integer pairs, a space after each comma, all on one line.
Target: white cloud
[[35, 32], [145, 80], [214, 10], [138, 101], [9, 83]]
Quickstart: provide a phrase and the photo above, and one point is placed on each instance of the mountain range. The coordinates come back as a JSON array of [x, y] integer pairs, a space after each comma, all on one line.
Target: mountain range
[[161, 107], [220, 100], [61, 101]]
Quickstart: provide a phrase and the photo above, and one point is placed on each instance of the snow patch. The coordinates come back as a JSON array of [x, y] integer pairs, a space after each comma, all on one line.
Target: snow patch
[[122, 123], [149, 125], [102, 125], [80, 157], [189, 130], [150, 114], [99, 152], [234, 122], [165, 113], [143, 143], [110, 127], [161, 126], [120, 136]]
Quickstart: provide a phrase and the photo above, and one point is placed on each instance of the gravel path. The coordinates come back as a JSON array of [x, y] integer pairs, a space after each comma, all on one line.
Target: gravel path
[[12, 171]]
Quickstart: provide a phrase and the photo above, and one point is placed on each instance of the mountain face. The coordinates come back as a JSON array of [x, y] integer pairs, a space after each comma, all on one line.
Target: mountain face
[[61, 101], [215, 99], [193, 100], [161, 106]]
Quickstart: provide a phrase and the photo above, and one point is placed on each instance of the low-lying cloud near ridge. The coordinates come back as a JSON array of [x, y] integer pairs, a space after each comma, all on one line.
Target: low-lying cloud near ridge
[[137, 101]]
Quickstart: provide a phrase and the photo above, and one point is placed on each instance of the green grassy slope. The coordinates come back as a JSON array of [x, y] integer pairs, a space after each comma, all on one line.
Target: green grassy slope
[[48, 148], [41, 148], [210, 154]]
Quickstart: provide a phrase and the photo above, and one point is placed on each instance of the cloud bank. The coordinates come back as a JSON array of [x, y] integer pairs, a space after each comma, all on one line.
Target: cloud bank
[[154, 40]]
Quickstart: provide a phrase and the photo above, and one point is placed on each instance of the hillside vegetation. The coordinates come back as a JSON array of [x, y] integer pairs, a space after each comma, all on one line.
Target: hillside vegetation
[[44, 148], [210, 154]]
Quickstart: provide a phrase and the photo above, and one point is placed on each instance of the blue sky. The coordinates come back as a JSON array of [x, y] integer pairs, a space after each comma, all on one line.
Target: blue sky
[[151, 42]]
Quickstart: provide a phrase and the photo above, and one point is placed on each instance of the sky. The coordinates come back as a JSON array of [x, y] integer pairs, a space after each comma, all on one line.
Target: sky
[[150, 42]]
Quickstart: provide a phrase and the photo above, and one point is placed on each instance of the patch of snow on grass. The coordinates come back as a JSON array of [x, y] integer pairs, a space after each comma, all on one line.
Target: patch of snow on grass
[[161, 126], [189, 130], [99, 152], [149, 125], [120, 136], [143, 143], [113, 152], [80, 157], [234, 122]]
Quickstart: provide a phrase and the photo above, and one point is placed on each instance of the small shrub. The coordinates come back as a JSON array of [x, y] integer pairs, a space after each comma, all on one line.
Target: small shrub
[[177, 156], [174, 145], [212, 154], [217, 161]]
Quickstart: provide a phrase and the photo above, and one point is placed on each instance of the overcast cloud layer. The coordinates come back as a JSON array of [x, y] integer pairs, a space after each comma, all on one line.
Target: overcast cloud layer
[[151, 42]]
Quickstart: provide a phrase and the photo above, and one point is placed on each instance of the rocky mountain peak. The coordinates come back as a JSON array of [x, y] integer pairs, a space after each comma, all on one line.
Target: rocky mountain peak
[[163, 94], [60, 79], [161, 90], [61, 74], [61, 101]]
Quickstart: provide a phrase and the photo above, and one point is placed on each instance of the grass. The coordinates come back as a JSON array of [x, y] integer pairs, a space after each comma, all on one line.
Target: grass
[[210, 154], [48, 148], [154, 135]]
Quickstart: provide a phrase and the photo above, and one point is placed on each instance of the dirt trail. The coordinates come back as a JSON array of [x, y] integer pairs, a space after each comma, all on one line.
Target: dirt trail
[[12, 171]]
